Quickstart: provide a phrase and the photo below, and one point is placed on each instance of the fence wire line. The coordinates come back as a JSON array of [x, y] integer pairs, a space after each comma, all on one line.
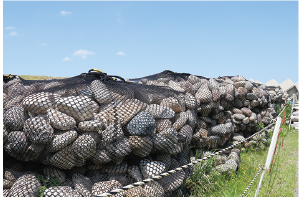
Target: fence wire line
[[252, 181], [136, 184], [286, 105]]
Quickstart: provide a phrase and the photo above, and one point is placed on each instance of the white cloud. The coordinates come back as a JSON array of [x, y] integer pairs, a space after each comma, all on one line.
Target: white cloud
[[64, 13], [121, 53], [66, 59], [9, 28], [82, 53], [13, 33], [43, 44]]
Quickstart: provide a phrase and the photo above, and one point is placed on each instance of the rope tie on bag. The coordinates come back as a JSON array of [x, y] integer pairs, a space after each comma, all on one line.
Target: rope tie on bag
[[102, 76], [7, 78], [136, 184]]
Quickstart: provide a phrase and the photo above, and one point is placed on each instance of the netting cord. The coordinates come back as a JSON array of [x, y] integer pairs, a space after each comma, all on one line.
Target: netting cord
[[252, 180], [136, 184], [103, 76]]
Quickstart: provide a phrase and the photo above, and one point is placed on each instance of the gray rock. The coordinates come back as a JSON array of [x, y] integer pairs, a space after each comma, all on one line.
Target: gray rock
[[158, 111], [100, 92], [151, 168], [203, 95], [140, 146], [165, 145], [251, 96], [119, 148], [84, 146], [78, 107], [115, 169], [93, 125], [123, 112], [14, 118], [172, 181], [154, 189], [190, 101], [33, 151], [101, 157], [172, 103], [38, 130], [25, 186], [185, 135], [249, 86], [142, 124], [60, 120], [16, 144], [135, 173], [162, 124], [61, 140], [64, 159], [39, 103], [238, 116], [136, 192], [180, 121], [13, 102], [82, 184], [106, 186], [112, 133], [219, 129], [61, 191]]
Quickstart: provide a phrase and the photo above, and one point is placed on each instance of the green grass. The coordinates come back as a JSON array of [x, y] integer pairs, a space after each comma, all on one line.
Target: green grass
[[36, 77], [281, 182], [46, 182]]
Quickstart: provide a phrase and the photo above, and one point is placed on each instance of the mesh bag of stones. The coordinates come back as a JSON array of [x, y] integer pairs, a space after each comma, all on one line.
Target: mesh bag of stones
[[139, 130]]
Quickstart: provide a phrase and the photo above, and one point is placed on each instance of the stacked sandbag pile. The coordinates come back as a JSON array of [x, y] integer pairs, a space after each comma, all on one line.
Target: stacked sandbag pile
[[103, 139], [226, 102]]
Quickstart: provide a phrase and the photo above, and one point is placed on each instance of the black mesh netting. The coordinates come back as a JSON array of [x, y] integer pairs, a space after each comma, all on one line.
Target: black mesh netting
[[92, 133]]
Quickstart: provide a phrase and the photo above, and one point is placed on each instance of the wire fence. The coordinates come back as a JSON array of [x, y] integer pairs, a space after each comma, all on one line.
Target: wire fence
[[137, 184], [261, 167], [116, 191]]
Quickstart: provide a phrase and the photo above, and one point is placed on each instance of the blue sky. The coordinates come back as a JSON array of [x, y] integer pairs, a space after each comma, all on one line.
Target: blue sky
[[255, 39]]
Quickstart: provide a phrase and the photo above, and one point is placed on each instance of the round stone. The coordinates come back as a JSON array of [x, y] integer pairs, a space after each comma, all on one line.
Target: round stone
[[14, 118], [61, 140], [84, 146], [106, 186], [140, 146], [119, 148], [154, 189], [158, 111], [101, 157], [203, 95], [61, 191], [60, 120], [39, 103], [38, 130], [142, 124], [151, 168], [82, 184], [25, 186]]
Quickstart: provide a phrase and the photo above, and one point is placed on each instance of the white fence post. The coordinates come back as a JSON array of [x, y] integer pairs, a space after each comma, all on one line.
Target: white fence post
[[270, 153]]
